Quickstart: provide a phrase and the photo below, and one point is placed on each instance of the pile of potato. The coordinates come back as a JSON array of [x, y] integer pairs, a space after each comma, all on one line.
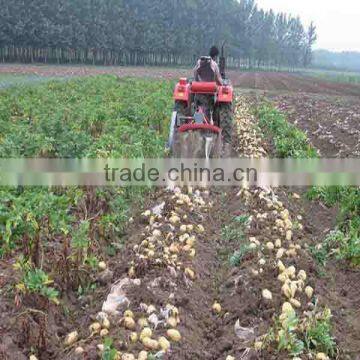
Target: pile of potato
[[249, 141]]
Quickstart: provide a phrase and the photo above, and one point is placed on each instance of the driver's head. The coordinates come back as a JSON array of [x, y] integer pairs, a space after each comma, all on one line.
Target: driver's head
[[214, 52]]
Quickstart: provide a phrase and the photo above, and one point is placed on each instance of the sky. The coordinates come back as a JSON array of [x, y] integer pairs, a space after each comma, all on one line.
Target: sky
[[338, 22]]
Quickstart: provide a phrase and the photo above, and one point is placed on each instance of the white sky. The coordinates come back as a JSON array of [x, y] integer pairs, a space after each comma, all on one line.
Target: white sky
[[338, 22]]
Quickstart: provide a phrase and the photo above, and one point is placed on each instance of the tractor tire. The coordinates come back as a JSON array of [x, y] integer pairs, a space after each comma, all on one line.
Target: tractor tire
[[226, 120], [181, 109]]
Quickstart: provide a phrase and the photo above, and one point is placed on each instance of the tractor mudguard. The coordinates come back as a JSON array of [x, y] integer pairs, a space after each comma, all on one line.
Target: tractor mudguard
[[226, 94], [182, 91]]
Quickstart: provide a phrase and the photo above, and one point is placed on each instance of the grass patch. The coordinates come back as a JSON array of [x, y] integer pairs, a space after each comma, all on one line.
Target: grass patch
[[11, 80], [318, 334], [344, 241], [335, 76], [296, 337], [289, 141], [235, 230], [236, 259], [234, 233]]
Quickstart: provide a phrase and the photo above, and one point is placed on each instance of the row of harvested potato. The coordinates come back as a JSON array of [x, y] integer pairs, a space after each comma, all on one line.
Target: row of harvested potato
[[283, 249], [173, 248]]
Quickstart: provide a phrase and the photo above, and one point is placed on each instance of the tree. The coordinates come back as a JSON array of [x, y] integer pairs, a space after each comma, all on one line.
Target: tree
[[150, 32], [311, 38]]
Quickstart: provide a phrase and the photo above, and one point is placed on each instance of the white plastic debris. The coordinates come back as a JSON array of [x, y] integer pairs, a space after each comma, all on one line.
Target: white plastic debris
[[117, 298]]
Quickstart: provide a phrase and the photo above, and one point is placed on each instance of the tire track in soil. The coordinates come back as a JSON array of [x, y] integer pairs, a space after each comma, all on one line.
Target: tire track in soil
[[174, 269]]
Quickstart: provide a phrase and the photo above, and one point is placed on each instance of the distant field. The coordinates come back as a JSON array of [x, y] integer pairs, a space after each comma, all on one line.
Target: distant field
[[310, 82], [9, 80], [335, 76]]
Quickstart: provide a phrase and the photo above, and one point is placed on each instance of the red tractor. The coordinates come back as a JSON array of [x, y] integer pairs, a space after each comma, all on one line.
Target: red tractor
[[196, 130]]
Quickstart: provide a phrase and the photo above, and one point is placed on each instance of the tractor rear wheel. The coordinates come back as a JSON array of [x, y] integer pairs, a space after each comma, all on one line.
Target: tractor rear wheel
[[226, 118]]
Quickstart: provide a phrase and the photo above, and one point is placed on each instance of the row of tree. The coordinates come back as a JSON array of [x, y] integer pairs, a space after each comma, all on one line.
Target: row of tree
[[150, 32]]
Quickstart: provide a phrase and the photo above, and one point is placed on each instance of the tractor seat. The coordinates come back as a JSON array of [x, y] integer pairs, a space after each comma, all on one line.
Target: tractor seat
[[199, 87]]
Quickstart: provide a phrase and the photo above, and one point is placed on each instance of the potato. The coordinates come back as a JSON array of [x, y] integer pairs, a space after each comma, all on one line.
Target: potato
[[143, 355], [291, 253], [216, 308], [280, 253], [281, 266], [131, 272], [128, 313], [296, 303], [283, 277], [129, 323], [142, 322], [71, 338], [302, 275], [293, 289], [191, 241], [146, 332], [174, 248], [190, 273], [133, 337], [106, 323], [127, 357], [309, 291], [174, 220], [291, 271], [79, 350], [171, 321], [254, 240], [289, 235], [266, 294], [287, 308], [184, 237], [164, 343], [288, 224], [321, 356], [286, 290], [200, 229], [150, 344], [174, 335], [104, 332], [252, 246], [95, 328], [102, 265]]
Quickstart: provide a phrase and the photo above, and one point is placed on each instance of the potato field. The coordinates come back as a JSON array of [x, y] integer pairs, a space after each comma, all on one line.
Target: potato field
[[138, 273]]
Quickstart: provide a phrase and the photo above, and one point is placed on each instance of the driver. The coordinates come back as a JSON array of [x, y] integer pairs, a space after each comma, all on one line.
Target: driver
[[207, 69]]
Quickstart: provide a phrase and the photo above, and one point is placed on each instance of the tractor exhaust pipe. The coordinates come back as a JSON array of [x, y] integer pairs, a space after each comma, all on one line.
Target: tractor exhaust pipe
[[223, 61]]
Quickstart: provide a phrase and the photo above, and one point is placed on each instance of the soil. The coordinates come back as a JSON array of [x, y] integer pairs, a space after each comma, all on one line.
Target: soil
[[332, 123]]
